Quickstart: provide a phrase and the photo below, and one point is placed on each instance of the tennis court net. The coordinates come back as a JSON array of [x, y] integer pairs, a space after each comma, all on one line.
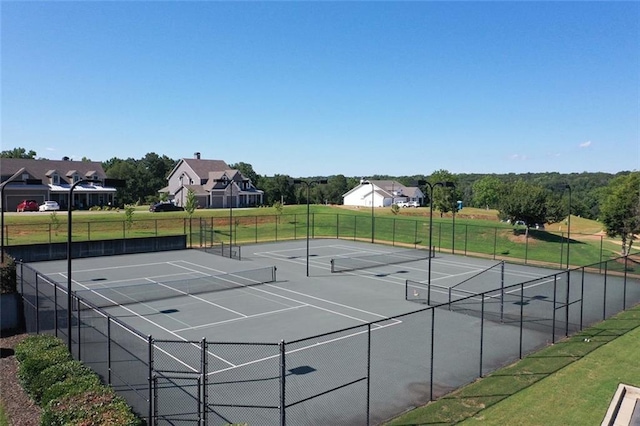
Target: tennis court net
[[341, 264], [159, 290]]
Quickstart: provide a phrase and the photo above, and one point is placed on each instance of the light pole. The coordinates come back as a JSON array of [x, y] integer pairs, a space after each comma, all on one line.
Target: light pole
[[117, 183], [373, 223], [568, 187], [308, 184], [2, 206], [431, 186]]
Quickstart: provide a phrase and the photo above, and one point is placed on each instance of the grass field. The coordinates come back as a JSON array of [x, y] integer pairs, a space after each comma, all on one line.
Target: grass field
[[3, 418], [474, 231], [569, 383]]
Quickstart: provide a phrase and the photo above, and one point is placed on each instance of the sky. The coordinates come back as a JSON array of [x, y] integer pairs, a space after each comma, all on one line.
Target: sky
[[325, 88]]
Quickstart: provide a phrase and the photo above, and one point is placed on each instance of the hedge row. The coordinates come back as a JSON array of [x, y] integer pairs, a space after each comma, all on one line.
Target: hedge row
[[8, 275], [68, 392]]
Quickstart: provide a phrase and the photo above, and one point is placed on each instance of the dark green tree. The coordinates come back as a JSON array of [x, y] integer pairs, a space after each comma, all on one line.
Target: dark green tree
[[620, 211], [18, 153], [247, 171]]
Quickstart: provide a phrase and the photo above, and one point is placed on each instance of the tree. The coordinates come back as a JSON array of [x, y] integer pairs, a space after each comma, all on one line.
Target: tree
[[620, 211], [524, 201], [335, 188], [247, 171], [486, 192], [444, 198], [18, 153], [191, 203]]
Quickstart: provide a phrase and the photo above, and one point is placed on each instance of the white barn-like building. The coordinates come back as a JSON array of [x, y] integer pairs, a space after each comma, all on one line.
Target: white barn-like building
[[381, 193]]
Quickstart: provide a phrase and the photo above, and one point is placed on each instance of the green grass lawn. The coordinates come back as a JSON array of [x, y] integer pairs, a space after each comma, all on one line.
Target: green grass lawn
[[569, 383], [3, 417]]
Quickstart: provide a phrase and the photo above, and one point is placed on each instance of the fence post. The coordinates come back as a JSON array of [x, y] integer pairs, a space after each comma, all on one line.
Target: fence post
[[89, 231], [521, 318], [495, 242], [283, 371], [433, 328], [108, 350], [256, 229], [466, 235], [151, 420], [79, 327], [38, 308], [393, 238], [553, 320], [582, 299], [204, 372], [55, 308], [624, 283], [415, 236], [481, 332], [604, 296], [368, 373]]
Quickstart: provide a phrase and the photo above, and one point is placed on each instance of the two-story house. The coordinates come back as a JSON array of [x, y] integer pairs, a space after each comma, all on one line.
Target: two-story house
[[213, 182], [42, 180]]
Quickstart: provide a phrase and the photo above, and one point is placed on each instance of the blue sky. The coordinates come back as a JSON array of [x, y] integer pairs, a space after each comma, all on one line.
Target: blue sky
[[323, 88]]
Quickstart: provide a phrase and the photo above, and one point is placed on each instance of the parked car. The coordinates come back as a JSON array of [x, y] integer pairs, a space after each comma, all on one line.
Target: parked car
[[165, 206], [27, 206], [408, 204], [49, 206]]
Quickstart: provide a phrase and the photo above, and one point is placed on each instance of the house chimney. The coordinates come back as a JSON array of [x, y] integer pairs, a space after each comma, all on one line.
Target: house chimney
[[197, 155]]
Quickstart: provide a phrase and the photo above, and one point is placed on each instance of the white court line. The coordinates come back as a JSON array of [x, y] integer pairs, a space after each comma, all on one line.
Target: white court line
[[303, 348], [211, 324], [105, 284], [113, 267], [164, 329], [316, 298]]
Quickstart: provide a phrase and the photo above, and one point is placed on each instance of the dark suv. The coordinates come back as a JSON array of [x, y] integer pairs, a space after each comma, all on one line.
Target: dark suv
[[28, 206], [165, 207]]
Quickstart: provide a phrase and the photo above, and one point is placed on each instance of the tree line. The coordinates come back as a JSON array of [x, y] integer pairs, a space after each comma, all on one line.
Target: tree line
[[541, 198]]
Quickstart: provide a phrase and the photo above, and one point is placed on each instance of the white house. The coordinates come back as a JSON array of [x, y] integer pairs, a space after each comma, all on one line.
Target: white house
[[213, 182], [382, 193]]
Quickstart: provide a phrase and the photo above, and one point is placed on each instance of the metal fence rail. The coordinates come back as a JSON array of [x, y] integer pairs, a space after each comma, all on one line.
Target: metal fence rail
[[359, 375]]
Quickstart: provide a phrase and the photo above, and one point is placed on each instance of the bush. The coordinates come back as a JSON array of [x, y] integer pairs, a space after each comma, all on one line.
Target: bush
[[37, 361], [96, 407], [57, 373], [36, 344], [72, 385], [8, 282]]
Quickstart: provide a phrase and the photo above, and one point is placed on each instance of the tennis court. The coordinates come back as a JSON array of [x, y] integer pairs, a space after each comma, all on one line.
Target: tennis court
[[335, 329]]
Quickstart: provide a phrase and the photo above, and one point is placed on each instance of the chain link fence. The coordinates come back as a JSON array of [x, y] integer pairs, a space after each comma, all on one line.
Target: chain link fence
[[360, 375]]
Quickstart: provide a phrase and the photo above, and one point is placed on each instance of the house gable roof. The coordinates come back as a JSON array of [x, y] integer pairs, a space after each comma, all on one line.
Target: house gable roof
[[202, 167], [43, 169]]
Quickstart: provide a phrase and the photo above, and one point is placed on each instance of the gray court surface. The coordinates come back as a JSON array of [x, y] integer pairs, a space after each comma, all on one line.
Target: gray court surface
[[297, 307]]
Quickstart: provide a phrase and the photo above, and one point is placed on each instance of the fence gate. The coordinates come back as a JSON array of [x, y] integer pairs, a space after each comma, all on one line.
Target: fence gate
[[179, 383]]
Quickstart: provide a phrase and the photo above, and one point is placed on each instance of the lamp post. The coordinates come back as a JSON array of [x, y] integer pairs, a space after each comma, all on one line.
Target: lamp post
[[431, 186], [568, 187], [2, 206], [308, 184], [117, 183], [373, 223]]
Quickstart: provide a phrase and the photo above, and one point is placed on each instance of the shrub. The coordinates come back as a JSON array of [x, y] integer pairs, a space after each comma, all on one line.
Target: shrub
[[8, 275], [72, 385], [56, 373], [96, 407], [35, 344], [37, 361]]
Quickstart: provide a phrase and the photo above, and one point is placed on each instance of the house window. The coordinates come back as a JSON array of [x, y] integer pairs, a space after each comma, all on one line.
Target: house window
[[55, 179], [76, 177], [25, 177]]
